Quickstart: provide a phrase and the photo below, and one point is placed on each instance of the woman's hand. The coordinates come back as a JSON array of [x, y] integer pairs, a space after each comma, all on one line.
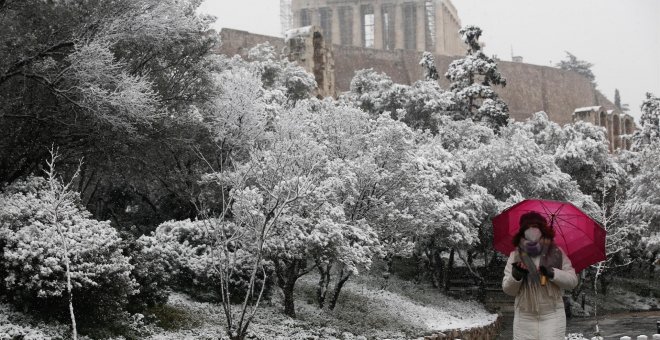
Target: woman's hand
[[519, 270], [547, 271]]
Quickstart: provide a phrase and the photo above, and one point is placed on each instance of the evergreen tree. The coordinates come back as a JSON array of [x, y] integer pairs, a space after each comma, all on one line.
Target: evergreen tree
[[472, 78], [617, 99], [572, 63], [650, 121], [617, 102], [428, 63]]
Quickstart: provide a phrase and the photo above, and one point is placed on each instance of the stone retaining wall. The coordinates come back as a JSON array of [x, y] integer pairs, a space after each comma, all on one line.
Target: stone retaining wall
[[488, 332]]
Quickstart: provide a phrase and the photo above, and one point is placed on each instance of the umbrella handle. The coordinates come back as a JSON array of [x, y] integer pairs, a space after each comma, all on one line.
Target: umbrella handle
[[544, 280]]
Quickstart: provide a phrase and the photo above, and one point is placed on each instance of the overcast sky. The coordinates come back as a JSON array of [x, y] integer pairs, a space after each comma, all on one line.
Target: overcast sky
[[620, 37]]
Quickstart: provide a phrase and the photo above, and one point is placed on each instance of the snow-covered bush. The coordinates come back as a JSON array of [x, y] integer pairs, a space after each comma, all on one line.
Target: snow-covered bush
[[190, 251], [32, 266], [152, 272], [280, 73], [419, 105], [15, 325]]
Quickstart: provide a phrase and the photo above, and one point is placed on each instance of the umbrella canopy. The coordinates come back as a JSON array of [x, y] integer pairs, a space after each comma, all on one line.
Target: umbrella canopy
[[581, 238]]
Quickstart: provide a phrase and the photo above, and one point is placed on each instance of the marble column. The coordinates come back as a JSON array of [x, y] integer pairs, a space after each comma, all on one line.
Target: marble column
[[400, 26], [315, 15], [439, 47], [378, 24], [421, 26], [358, 39], [296, 19], [335, 29]]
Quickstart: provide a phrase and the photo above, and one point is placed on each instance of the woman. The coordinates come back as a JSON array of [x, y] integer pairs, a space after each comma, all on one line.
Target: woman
[[536, 273]]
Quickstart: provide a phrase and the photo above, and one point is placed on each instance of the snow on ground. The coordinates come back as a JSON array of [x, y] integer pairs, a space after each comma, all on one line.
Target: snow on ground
[[437, 313], [617, 299], [364, 311], [368, 308], [15, 325]]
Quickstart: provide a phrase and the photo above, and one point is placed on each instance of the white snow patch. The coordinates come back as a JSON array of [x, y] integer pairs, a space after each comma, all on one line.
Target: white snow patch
[[453, 314], [298, 32], [587, 108]]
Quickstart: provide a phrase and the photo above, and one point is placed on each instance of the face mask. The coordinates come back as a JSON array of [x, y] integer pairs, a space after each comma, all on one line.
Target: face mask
[[533, 234]]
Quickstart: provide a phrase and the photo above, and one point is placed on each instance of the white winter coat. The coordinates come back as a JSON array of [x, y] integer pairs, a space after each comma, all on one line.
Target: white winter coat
[[548, 322]]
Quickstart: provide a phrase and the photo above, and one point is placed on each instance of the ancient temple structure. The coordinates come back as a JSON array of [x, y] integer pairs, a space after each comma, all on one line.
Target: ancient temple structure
[[334, 38], [418, 25], [619, 126]]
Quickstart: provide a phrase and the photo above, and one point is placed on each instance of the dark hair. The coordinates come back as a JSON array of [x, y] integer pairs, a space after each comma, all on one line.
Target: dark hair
[[533, 219]]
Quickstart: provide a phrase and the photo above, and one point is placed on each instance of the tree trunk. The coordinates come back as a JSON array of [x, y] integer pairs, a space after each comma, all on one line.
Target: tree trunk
[[604, 284], [652, 260], [448, 270], [415, 258], [324, 281], [289, 307], [389, 262], [438, 268], [577, 291], [493, 259], [338, 287], [237, 336], [287, 273]]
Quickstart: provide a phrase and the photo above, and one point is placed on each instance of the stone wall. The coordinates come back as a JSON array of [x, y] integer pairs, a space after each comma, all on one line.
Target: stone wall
[[530, 88], [234, 42], [488, 332]]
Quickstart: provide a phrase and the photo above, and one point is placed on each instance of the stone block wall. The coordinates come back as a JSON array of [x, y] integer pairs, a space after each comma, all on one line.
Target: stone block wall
[[234, 42], [488, 332]]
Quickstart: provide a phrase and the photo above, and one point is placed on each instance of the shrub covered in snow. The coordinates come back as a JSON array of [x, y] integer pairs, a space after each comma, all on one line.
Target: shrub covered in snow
[[189, 251], [14, 325], [32, 267], [151, 271]]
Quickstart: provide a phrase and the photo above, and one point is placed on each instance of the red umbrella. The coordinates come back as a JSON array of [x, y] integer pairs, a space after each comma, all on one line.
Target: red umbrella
[[581, 238]]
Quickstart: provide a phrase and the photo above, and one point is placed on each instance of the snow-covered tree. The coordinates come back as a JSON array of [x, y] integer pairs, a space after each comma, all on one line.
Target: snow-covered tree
[[428, 64], [580, 150], [419, 105], [425, 104], [193, 255], [650, 121], [581, 67], [459, 136], [316, 227], [471, 80], [45, 234], [117, 83], [108, 72], [238, 116], [513, 165], [651, 246], [445, 211], [617, 102], [279, 74], [644, 194], [278, 175], [375, 93]]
